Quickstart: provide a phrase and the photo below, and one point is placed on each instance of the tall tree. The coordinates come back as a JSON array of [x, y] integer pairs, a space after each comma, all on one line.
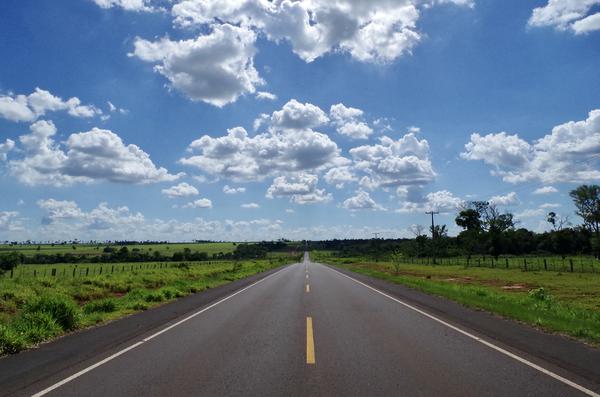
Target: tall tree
[[587, 201]]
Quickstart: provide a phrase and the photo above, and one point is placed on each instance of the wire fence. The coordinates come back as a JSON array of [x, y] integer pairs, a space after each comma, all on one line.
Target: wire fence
[[88, 270], [552, 263]]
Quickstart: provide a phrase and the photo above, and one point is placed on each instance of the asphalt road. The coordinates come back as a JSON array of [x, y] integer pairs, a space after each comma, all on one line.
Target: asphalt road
[[309, 330]]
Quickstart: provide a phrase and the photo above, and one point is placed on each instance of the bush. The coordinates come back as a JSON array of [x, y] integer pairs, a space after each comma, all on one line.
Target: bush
[[9, 261], [540, 294], [102, 306], [154, 297], [61, 309], [36, 327], [10, 341]]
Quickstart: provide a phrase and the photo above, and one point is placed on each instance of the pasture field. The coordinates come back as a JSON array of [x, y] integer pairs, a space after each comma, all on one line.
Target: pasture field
[[35, 309], [96, 249], [556, 301]]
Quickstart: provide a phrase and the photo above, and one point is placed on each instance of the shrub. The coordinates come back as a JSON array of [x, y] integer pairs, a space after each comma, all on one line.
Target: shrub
[[36, 327], [61, 309], [10, 341], [539, 294], [9, 261], [139, 306], [102, 306], [154, 297]]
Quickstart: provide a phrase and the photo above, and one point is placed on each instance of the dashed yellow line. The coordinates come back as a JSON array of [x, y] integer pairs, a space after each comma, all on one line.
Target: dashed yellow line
[[307, 288], [310, 342]]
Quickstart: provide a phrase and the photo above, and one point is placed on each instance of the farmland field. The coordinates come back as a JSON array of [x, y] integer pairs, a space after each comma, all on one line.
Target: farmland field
[[37, 308], [96, 249], [556, 301]]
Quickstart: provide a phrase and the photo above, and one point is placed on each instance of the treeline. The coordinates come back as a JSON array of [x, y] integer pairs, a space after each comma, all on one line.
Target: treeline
[[124, 254], [488, 231]]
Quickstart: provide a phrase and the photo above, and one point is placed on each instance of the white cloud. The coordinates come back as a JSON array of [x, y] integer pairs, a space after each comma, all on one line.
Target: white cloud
[[19, 108], [361, 201], [567, 15], [93, 155], [370, 31], [570, 153], [442, 201], [6, 147], [545, 190], [530, 213], [289, 211], [266, 95], [394, 163], [296, 115], [348, 121], [339, 176], [128, 5], [509, 199], [233, 190], [10, 222], [215, 68], [550, 205], [250, 206], [112, 108], [200, 203], [181, 190], [301, 189], [288, 146]]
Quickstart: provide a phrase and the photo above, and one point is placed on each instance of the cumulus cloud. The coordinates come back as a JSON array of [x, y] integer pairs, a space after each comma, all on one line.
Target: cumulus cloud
[[289, 145], [233, 190], [181, 190], [545, 190], [88, 156], [339, 176], [530, 213], [509, 199], [250, 206], [370, 31], [215, 68], [265, 95], [573, 15], [10, 222], [348, 121], [28, 108], [298, 115], [570, 153], [550, 205], [442, 201], [301, 189], [361, 201], [200, 203], [65, 214], [129, 5], [394, 163], [6, 147]]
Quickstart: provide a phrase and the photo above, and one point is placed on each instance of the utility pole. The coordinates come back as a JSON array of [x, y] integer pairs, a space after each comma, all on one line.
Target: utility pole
[[433, 248], [376, 246]]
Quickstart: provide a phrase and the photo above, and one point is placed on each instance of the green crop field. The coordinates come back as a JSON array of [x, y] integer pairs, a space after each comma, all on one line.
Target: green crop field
[[37, 308], [96, 249], [557, 301]]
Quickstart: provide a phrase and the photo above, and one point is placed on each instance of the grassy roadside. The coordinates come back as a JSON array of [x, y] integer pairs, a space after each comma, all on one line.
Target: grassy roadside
[[557, 302], [34, 310]]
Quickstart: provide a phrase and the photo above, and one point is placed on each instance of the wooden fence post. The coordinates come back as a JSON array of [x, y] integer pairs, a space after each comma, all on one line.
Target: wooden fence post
[[53, 272], [545, 264], [571, 264], [87, 271], [525, 263]]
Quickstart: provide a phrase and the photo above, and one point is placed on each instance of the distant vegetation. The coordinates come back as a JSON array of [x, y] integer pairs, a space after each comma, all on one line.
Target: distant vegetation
[[489, 232]]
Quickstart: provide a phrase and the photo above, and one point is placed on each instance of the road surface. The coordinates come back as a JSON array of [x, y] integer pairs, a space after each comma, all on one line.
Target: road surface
[[309, 330]]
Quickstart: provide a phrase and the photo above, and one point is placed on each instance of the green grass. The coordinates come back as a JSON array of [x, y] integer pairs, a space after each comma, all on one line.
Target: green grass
[[96, 249], [33, 310], [566, 303]]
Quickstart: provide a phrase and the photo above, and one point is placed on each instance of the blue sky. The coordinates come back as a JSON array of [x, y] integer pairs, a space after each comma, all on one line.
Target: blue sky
[[356, 117]]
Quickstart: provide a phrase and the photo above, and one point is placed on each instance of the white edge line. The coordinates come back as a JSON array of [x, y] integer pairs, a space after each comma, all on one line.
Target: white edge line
[[478, 339], [139, 343]]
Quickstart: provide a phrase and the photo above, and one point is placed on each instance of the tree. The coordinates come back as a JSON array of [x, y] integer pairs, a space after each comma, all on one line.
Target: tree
[[9, 261], [469, 219], [397, 259], [557, 221], [587, 200]]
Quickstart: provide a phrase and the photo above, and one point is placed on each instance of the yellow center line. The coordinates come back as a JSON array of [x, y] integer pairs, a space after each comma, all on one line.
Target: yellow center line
[[307, 288], [310, 343]]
